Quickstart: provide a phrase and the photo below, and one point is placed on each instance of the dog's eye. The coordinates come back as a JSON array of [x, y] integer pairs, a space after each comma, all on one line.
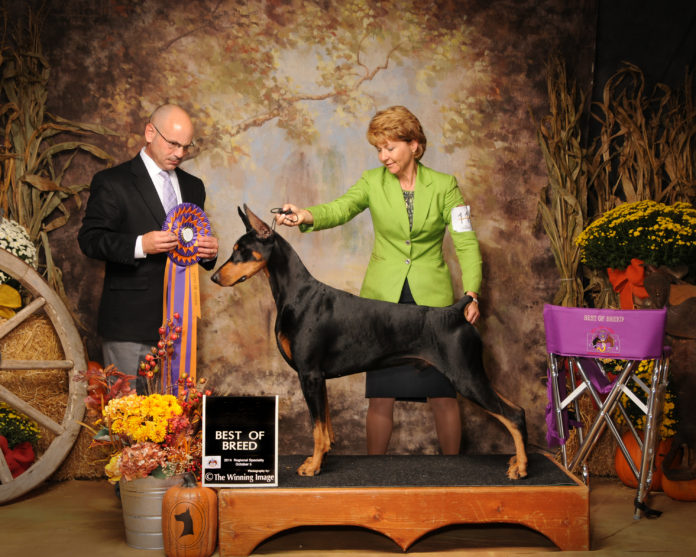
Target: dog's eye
[[236, 247]]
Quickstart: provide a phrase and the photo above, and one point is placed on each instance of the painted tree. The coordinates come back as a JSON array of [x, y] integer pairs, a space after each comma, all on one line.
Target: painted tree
[[260, 63]]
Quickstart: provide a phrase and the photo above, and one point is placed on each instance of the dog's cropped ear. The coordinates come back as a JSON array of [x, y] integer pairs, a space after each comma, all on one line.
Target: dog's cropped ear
[[244, 218], [263, 231]]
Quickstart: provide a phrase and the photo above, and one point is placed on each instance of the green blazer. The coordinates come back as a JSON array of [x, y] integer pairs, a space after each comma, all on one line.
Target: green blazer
[[400, 253]]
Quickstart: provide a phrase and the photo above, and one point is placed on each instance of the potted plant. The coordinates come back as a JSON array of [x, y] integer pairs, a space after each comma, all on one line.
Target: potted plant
[[18, 437], [155, 438], [15, 240], [627, 238]]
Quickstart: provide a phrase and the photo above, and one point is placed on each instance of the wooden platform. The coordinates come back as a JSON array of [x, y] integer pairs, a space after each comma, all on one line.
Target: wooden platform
[[406, 497]]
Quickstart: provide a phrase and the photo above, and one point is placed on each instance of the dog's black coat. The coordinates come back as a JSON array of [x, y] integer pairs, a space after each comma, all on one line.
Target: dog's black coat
[[323, 333]]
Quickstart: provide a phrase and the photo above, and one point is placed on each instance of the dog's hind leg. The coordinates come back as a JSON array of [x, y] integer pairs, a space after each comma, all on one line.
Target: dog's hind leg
[[513, 419], [511, 416], [475, 386], [327, 419], [314, 390]]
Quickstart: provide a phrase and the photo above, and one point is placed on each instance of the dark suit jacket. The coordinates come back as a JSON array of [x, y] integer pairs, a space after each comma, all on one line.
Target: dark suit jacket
[[124, 204]]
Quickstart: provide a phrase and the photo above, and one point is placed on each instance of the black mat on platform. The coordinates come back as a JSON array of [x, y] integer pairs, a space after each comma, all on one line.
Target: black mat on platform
[[419, 471]]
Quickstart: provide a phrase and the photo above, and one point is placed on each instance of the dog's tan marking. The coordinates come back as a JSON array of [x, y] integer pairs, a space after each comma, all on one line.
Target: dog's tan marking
[[230, 273], [322, 443], [327, 417], [284, 345], [517, 467], [509, 402]]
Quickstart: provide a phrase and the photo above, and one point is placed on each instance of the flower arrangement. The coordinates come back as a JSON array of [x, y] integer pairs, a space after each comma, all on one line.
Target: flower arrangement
[[18, 435], [668, 427], [15, 239], [16, 427], [155, 434], [655, 233]]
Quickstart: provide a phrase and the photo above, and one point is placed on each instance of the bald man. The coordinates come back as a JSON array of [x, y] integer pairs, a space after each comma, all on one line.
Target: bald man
[[122, 226]]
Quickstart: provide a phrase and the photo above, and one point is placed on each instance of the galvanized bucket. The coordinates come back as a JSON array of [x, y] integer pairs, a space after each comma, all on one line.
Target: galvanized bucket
[[141, 501]]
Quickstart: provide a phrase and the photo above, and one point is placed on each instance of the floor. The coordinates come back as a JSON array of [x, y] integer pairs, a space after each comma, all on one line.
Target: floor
[[83, 518]]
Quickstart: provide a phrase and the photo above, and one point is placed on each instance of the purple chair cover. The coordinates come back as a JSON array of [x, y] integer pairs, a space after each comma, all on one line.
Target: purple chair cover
[[605, 333], [598, 333]]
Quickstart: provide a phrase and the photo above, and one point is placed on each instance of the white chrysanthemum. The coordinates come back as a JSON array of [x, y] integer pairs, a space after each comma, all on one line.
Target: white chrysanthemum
[[15, 239]]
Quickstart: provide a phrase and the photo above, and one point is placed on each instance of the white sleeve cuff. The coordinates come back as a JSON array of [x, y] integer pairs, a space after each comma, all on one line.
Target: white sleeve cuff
[[139, 253]]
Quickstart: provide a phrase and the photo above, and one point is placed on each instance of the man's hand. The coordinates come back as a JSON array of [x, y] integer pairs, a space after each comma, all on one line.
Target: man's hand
[[159, 241], [207, 247]]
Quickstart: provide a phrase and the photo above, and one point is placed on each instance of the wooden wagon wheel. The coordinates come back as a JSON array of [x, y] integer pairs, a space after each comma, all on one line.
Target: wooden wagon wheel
[[47, 301]]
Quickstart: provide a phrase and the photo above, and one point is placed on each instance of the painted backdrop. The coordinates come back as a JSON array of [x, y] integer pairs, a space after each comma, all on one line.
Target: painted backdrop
[[282, 92]]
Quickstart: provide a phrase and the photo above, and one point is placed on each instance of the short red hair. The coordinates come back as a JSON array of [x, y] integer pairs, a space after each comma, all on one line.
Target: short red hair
[[396, 123]]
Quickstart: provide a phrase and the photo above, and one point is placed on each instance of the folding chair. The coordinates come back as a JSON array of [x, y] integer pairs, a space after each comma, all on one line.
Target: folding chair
[[585, 338]]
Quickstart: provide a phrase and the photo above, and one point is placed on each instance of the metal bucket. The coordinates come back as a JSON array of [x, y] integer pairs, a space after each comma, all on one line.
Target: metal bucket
[[141, 501]]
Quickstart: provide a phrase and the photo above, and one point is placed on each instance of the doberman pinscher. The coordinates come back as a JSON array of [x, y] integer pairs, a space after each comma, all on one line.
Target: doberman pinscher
[[325, 333]]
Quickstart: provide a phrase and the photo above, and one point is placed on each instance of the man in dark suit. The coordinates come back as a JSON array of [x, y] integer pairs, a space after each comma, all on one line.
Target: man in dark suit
[[123, 227]]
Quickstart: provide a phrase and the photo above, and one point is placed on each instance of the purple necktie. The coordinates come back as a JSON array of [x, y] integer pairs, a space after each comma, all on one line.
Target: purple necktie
[[168, 194]]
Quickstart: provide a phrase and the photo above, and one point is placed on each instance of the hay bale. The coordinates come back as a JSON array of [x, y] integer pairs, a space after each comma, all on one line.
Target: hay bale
[[47, 391], [601, 459]]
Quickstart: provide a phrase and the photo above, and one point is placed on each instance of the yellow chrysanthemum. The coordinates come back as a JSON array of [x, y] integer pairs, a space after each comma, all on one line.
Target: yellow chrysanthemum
[[656, 233]]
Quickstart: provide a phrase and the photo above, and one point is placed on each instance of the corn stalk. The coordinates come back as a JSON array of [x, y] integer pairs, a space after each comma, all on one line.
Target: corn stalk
[[38, 148], [646, 141], [562, 204]]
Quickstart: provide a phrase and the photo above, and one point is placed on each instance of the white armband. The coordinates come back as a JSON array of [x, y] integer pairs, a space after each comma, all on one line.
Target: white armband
[[461, 218]]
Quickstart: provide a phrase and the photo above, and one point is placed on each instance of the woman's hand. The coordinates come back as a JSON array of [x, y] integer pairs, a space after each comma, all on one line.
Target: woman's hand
[[471, 311], [295, 218]]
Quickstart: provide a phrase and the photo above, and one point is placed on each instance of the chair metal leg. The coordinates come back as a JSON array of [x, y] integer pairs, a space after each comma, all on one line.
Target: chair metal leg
[[576, 402], [558, 412], [652, 426], [581, 429], [603, 418]]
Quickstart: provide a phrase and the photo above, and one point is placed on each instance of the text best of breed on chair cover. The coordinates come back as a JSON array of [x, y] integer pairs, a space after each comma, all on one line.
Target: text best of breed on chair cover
[[586, 337]]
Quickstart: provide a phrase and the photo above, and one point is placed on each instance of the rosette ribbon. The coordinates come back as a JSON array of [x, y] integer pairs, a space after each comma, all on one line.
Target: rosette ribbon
[[627, 282], [181, 291]]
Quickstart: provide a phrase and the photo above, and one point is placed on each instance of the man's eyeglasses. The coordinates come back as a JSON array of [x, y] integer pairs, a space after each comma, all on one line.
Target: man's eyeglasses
[[174, 144]]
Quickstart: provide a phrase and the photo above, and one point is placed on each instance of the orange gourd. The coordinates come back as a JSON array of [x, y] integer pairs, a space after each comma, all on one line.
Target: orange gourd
[[189, 520], [623, 470], [679, 490]]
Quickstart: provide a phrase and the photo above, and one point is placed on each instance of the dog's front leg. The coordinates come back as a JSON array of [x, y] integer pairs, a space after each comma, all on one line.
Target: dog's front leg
[[314, 390]]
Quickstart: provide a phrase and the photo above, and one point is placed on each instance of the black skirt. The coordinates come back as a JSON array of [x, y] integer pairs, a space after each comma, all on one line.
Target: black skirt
[[407, 382]]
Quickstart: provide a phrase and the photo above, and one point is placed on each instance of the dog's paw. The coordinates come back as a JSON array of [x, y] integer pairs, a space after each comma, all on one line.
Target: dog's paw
[[516, 470], [309, 467]]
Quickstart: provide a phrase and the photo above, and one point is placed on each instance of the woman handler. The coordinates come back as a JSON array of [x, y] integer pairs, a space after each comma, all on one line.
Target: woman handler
[[411, 205]]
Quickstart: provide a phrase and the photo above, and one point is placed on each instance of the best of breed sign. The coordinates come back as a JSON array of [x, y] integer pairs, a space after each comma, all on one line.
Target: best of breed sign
[[240, 441]]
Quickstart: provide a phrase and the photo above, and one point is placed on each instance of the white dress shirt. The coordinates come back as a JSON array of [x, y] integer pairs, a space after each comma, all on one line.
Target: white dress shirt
[[154, 171]]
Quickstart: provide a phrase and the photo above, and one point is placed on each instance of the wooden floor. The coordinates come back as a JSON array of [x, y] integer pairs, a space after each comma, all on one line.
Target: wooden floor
[[83, 518]]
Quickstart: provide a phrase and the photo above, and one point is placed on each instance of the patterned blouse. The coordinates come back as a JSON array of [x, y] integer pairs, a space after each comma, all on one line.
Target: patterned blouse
[[408, 198]]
